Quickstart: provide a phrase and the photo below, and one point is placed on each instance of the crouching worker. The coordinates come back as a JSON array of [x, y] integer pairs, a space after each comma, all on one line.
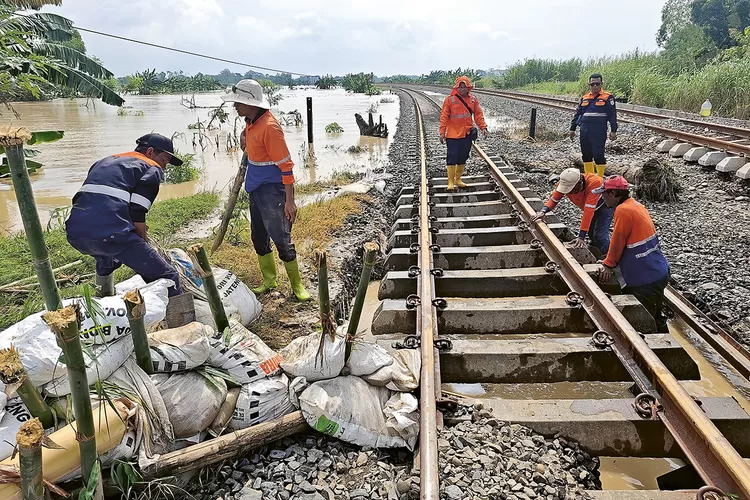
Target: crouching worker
[[270, 183], [635, 249], [597, 216], [108, 218]]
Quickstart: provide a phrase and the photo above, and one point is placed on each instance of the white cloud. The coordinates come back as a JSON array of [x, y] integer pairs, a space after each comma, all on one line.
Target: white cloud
[[337, 36]]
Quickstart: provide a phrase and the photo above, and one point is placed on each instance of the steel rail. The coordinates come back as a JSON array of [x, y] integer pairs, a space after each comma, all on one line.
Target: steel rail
[[709, 142], [716, 461], [426, 330], [729, 349]]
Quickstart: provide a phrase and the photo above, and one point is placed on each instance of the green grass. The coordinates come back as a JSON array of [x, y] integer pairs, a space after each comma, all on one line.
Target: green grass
[[553, 88], [339, 178], [164, 220]]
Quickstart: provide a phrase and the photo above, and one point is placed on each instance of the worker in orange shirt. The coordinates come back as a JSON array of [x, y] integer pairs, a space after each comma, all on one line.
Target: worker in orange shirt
[[635, 249], [594, 110], [597, 216], [270, 183], [460, 111]]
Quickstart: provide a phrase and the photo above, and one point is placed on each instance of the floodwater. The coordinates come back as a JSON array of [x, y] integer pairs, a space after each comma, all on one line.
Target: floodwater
[[94, 130]]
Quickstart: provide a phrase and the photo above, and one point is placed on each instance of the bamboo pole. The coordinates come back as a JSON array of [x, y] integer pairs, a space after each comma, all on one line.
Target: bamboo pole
[[209, 284], [226, 446], [13, 373], [32, 278], [13, 140], [136, 310], [371, 249], [324, 295], [64, 324], [231, 203], [29, 441]]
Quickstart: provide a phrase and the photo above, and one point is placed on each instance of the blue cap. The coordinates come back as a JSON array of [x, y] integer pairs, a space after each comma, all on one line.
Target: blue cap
[[161, 143]]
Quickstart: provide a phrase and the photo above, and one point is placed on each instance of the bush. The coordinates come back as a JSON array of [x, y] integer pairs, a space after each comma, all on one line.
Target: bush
[[326, 82], [360, 83], [188, 171], [271, 91], [334, 128]]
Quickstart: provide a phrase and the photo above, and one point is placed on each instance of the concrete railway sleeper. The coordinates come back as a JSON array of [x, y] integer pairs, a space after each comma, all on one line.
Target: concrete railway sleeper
[[494, 299]]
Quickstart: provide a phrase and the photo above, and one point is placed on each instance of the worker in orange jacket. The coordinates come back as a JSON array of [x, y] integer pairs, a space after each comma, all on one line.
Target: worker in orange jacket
[[597, 216], [460, 111], [269, 181], [594, 110], [635, 249]]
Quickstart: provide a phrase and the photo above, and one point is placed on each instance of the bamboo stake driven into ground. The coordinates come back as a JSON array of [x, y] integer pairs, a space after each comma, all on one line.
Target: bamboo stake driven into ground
[[209, 284], [13, 139], [29, 440], [231, 203], [370, 251], [12, 372], [136, 310], [64, 323]]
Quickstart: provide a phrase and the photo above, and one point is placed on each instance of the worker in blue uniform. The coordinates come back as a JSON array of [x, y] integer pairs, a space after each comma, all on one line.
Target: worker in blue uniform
[[108, 218], [594, 110]]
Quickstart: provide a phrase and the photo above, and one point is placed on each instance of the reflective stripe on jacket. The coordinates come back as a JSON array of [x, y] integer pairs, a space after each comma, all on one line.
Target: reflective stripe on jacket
[[456, 120], [635, 246], [585, 200], [268, 158], [117, 192], [596, 110]]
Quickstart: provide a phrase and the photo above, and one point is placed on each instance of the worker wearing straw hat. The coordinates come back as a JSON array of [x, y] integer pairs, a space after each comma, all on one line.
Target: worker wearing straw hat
[[270, 183]]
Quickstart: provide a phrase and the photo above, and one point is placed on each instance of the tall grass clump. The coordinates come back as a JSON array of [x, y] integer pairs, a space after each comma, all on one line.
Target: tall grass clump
[[726, 84], [650, 88], [541, 70], [619, 72]]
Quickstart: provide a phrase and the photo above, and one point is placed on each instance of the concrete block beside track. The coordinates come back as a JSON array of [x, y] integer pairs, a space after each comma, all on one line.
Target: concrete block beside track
[[712, 158], [744, 172], [731, 164], [678, 150], [695, 154], [667, 144]]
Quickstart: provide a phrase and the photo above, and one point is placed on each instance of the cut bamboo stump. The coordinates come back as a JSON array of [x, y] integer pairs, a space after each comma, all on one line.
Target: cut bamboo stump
[[64, 324], [226, 446], [203, 267], [136, 311], [12, 373], [370, 253], [29, 441]]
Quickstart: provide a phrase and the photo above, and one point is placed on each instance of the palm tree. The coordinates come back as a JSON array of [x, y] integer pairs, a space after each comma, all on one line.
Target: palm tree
[[33, 53]]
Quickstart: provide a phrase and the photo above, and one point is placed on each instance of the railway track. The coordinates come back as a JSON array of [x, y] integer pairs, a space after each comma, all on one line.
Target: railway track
[[489, 298]]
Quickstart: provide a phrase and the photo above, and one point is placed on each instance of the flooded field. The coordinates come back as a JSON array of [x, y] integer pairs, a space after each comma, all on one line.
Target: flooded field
[[94, 130]]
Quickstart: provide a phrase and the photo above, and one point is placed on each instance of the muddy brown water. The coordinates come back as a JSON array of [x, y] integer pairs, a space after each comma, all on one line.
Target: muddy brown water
[[94, 130]]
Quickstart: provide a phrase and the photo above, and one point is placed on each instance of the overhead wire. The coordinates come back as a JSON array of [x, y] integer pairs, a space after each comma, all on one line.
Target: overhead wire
[[181, 51]]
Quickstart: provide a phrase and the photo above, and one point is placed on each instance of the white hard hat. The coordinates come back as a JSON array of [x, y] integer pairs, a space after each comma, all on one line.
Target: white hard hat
[[246, 92], [568, 180]]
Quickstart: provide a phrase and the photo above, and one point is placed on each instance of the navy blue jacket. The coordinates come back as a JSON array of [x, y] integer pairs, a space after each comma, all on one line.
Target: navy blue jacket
[[595, 111], [117, 192]]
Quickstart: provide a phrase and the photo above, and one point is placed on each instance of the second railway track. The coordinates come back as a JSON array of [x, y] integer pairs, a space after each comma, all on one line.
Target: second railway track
[[492, 299]]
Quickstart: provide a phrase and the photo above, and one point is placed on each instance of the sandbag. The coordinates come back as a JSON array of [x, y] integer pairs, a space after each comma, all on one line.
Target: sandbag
[[402, 375], [367, 358], [238, 300], [38, 346], [192, 400], [180, 349], [101, 362], [260, 401], [350, 409], [243, 355], [300, 358], [14, 413]]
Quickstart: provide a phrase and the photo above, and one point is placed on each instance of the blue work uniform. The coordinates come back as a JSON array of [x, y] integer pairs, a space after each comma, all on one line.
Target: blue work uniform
[[592, 114], [118, 191]]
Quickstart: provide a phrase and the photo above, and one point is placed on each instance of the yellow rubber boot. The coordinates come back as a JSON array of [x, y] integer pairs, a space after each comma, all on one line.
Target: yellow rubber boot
[[600, 170], [588, 167], [459, 172], [451, 176], [292, 270], [267, 264]]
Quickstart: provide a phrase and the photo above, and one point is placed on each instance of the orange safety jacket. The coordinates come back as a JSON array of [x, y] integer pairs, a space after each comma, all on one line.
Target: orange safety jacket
[[584, 199], [268, 158], [455, 119], [635, 246]]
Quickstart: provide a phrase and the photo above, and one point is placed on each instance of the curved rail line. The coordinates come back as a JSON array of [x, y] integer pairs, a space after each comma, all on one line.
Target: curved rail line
[[706, 448]]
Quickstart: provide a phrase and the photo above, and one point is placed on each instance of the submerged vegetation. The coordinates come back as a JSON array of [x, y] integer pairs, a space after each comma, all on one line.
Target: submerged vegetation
[[360, 83], [188, 171]]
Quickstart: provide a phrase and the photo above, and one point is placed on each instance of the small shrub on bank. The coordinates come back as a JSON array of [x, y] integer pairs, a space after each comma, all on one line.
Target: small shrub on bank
[[334, 128], [188, 171]]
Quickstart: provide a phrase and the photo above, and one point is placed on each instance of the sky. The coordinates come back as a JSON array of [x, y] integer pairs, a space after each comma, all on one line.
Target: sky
[[386, 37]]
